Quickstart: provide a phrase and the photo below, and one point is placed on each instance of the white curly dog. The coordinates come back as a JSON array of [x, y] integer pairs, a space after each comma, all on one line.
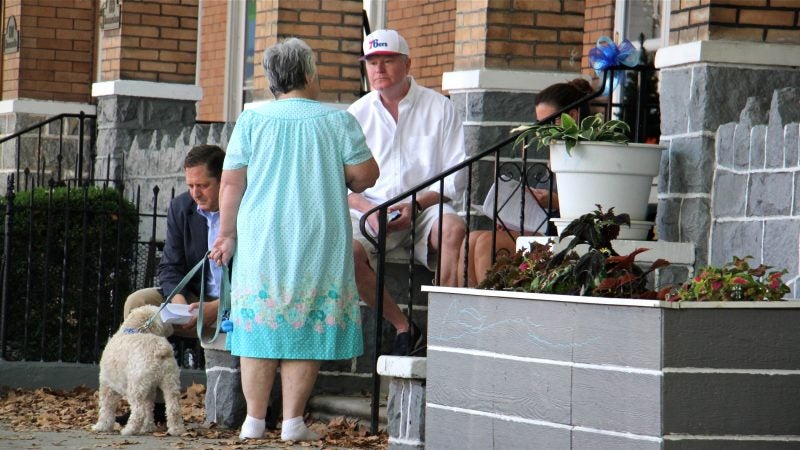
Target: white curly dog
[[134, 364]]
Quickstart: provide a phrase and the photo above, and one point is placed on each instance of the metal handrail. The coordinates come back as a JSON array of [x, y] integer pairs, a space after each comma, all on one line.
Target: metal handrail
[[39, 126]]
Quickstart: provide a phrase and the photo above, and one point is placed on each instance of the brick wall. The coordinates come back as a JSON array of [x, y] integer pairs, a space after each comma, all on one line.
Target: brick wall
[[523, 35], [156, 41], [56, 50], [599, 22], [214, 21], [429, 28], [331, 27], [776, 21]]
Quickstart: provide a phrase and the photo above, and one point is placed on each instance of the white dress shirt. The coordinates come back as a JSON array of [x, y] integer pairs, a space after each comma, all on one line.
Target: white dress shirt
[[427, 138]]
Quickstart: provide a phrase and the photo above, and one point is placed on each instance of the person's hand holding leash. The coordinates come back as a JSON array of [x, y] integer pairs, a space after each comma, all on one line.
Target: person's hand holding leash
[[222, 250]]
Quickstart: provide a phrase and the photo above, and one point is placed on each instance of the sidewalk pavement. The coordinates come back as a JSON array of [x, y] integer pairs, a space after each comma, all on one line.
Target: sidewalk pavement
[[86, 440]]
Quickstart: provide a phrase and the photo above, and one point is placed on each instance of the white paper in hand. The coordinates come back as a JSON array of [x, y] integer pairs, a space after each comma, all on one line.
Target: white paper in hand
[[177, 314], [510, 200]]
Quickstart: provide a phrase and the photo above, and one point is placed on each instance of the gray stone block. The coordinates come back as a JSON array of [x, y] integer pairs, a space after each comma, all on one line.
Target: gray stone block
[[730, 189], [741, 147], [755, 112], [199, 135], [781, 244], [599, 396], [731, 404], [224, 136], [784, 106], [791, 145], [459, 430], [769, 194], [758, 147], [479, 138], [664, 169], [459, 102], [719, 106], [224, 402], [114, 142], [160, 113], [691, 164], [487, 106], [673, 96], [668, 219], [696, 225], [590, 439], [118, 111], [731, 239], [724, 145], [737, 343], [672, 275], [405, 410]]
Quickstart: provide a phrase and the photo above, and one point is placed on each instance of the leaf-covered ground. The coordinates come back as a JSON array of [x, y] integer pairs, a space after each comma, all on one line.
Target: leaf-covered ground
[[56, 410]]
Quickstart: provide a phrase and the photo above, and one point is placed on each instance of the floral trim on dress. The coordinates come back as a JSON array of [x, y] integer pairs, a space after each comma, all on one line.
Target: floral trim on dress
[[297, 307]]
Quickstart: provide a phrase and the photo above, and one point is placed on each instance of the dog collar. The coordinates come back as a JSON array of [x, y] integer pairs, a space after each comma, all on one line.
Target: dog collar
[[132, 330]]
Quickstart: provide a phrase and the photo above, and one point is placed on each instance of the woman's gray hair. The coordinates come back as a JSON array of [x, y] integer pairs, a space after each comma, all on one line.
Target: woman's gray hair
[[288, 65]]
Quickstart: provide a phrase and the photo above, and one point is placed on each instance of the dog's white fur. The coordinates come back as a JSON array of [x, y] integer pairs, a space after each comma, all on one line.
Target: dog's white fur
[[133, 366]]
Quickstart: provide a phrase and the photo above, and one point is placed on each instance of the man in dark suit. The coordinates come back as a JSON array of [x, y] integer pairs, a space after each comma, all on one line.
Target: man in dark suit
[[192, 223], [192, 226]]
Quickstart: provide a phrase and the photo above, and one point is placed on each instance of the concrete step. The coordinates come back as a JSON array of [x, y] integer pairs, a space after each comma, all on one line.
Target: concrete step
[[326, 407]]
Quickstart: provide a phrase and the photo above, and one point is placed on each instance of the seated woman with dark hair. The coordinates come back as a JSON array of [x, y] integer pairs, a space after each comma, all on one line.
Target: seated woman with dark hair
[[548, 102]]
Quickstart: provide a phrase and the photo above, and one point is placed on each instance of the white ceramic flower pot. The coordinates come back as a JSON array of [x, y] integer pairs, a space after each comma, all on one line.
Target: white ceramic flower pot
[[608, 174]]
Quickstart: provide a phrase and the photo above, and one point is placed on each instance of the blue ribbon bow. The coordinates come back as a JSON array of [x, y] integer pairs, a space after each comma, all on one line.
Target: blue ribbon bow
[[608, 54]]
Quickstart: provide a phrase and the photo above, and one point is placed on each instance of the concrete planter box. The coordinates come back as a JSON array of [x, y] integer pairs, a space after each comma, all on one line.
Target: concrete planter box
[[521, 371]]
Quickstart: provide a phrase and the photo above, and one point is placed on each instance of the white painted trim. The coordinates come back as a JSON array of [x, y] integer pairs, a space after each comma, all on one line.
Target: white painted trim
[[504, 80], [407, 442], [549, 362], [234, 62], [45, 108], [708, 370], [731, 437], [402, 366], [790, 304], [544, 423], [728, 52], [149, 89]]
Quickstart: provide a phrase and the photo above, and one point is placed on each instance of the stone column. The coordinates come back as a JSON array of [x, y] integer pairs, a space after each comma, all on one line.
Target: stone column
[[723, 57], [706, 84], [406, 407]]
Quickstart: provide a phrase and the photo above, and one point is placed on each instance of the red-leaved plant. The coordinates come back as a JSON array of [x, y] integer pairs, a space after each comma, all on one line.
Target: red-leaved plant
[[599, 271], [735, 281]]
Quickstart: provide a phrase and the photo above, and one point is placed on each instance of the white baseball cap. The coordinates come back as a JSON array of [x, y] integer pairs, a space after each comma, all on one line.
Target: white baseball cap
[[384, 42]]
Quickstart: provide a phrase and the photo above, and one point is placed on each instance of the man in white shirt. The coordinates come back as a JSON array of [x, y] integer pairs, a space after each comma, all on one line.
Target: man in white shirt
[[414, 133]]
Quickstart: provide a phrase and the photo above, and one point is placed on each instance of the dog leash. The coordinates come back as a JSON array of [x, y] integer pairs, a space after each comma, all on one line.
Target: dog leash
[[224, 300], [223, 309]]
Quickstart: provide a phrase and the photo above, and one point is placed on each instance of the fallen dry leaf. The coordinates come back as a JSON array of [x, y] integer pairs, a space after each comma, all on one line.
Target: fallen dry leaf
[[48, 409]]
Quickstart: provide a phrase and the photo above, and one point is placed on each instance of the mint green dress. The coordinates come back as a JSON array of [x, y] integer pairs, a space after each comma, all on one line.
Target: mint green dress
[[293, 291]]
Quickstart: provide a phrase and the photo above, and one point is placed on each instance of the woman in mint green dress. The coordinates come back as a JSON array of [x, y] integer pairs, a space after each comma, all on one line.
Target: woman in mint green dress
[[283, 203]]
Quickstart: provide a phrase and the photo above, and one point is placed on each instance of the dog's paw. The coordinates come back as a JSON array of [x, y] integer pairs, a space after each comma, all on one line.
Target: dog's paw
[[101, 427], [129, 431], [176, 430]]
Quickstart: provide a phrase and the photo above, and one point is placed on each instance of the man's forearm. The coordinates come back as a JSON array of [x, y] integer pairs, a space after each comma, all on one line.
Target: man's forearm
[[359, 202]]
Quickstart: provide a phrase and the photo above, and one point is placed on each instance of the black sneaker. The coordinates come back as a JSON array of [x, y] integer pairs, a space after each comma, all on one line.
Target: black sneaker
[[408, 342]]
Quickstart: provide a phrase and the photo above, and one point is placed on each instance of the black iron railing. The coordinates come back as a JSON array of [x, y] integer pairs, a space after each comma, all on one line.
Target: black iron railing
[[60, 148]]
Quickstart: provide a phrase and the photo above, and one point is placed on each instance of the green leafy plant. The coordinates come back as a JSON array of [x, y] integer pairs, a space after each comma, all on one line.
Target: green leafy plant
[[597, 271], [591, 128], [735, 281]]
